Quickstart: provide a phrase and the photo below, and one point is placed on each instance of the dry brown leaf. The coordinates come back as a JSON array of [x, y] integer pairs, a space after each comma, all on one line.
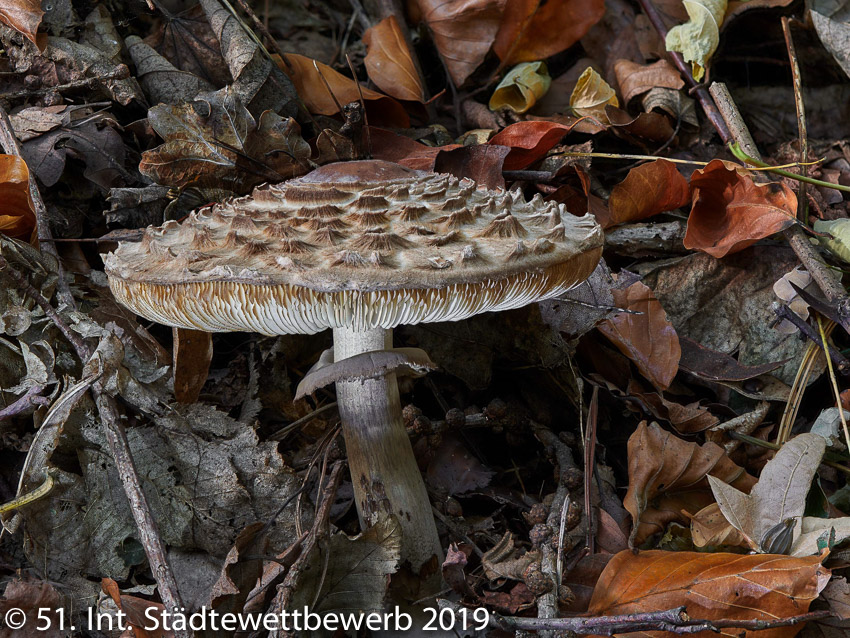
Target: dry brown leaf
[[463, 31], [648, 189], [661, 464], [591, 95], [687, 419], [193, 352], [388, 61], [635, 79], [528, 141], [23, 16], [17, 218], [534, 29], [383, 110], [730, 212], [644, 334], [710, 527], [711, 586]]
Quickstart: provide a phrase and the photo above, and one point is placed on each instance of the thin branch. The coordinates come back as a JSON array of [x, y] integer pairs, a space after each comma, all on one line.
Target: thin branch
[[803, 326], [30, 399], [802, 202]]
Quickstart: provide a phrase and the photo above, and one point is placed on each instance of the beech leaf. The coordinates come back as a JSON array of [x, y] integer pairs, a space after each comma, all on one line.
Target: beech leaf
[[521, 87], [388, 61], [23, 16], [535, 29], [648, 189], [663, 467], [711, 586], [644, 334], [591, 95], [529, 141], [730, 212], [17, 219]]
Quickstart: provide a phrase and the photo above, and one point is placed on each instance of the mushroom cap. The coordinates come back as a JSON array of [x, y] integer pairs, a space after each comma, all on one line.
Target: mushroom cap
[[361, 245]]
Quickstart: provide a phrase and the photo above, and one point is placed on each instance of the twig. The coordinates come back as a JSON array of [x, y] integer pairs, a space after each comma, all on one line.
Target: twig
[[317, 532], [12, 146], [30, 398], [707, 104], [121, 73], [547, 604], [674, 620], [823, 276], [802, 202], [261, 28], [122, 456], [281, 433], [786, 313], [834, 386]]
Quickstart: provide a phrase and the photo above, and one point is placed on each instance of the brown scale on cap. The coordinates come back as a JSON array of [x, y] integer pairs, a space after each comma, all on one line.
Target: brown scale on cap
[[409, 235]]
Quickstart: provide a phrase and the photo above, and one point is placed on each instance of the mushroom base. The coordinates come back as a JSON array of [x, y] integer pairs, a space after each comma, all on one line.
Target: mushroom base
[[384, 472]]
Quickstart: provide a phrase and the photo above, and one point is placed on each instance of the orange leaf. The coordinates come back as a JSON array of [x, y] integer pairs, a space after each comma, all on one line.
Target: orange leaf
[[463, 31], [533, 29], [23, 16], [17, 219], [528, 141], [644, 335], [308, 82], [648, 189], [388, 61], [711, 586], [731, 212], [668, 474]]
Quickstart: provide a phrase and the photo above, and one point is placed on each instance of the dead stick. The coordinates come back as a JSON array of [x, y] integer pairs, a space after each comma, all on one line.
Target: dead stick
[[707, 104], [12, 147], [797, 239], [30, 398], [802, 201], [784, 312], [122, 456]]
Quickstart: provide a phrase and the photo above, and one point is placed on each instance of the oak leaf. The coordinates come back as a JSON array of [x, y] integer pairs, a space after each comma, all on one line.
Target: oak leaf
[[730, 212]]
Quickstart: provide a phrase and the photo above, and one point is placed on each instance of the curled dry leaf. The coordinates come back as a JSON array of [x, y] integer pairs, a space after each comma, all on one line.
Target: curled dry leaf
[[23, 16], [388, 61], [529, 141], [648, 189], [644, 334], [663, 467], [463, 31], [698, 38], [591, 95], [17, 219], [306, 74], [730, 212], [534, 29], [400, 149], [711, 586], [521, 87], [635, 78]]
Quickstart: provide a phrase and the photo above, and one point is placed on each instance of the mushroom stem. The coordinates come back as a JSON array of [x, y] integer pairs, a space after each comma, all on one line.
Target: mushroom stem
[[383, 468]]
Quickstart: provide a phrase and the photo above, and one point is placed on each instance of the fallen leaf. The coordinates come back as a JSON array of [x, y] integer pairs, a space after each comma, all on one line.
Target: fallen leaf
[[649, 189], [528, 141], [388, 61], [813, 529], [662, 465], [829, 18], [162, 81], [23, 16], [193, 350], [512, 602], [710, 528], [839, 242], [711, 586], [698, 38], [214, 141], [382, 110], [730, 212], [591, 95], [644, 334], [837, 595], [505, 560], [635, 78], [535, 29], [780, 493], [136, 611], [717, 366], [454, 574], [463, 31], [453, 470], [390, 146], [17, 219], [40, 602], [521, 87], [686, 419]]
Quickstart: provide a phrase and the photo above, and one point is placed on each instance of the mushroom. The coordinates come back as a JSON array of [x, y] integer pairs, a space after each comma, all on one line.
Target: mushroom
[[359, 247]]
